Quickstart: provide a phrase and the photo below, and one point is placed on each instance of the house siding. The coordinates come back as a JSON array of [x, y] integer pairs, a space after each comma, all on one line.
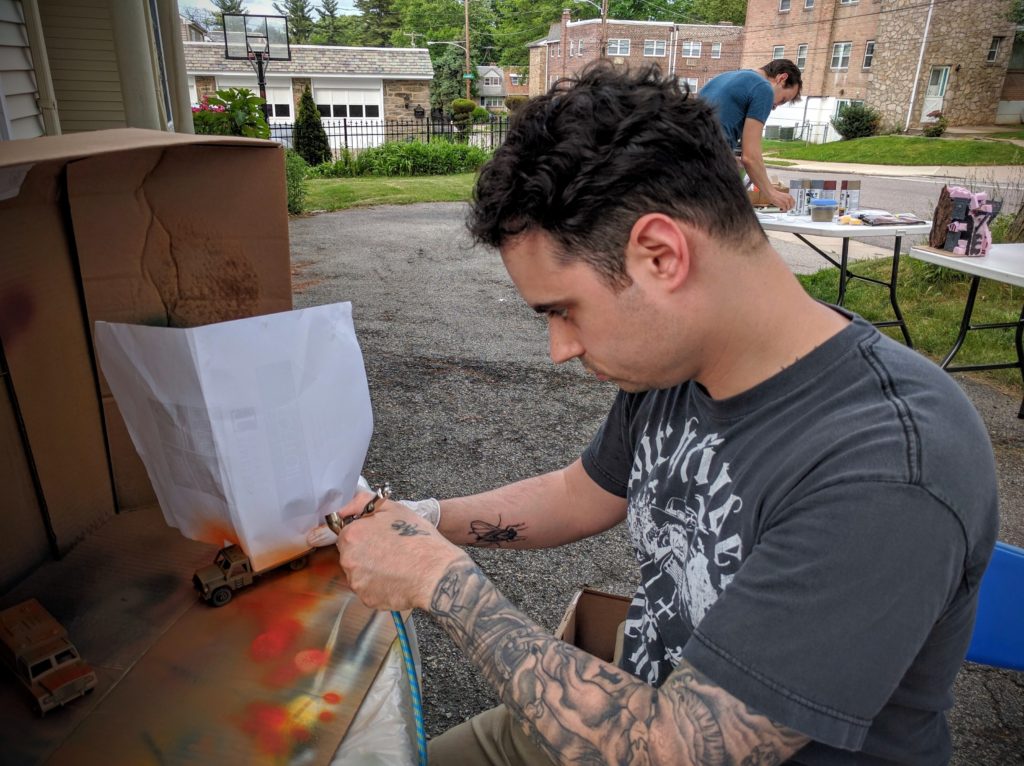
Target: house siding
[[83, 64], [22, 118]]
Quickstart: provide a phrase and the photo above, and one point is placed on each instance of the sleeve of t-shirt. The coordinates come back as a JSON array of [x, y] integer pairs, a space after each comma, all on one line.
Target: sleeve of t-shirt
[[831, 606], [608, 457], [762, 99]]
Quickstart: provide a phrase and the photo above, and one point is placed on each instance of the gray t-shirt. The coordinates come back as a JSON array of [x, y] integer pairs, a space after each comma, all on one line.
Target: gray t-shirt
[[813, 545]]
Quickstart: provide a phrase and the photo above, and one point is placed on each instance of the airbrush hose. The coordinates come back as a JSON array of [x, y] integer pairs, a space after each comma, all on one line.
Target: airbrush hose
[[336, 524]]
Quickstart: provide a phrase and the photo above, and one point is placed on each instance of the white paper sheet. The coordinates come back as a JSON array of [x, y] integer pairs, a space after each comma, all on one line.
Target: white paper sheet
[[251, 430]]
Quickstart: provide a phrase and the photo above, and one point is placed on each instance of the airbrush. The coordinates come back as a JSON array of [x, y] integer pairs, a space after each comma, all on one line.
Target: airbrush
[[336, 523]]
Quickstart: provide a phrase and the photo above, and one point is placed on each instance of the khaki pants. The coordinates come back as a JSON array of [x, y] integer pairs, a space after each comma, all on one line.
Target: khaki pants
[[493, 738]]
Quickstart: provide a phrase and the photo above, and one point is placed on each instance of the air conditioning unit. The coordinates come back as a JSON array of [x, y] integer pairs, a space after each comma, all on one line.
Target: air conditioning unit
[[771, 132], [786, 134]]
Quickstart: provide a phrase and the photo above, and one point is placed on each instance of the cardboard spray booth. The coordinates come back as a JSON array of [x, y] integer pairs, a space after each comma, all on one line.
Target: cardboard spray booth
[[166, 230]]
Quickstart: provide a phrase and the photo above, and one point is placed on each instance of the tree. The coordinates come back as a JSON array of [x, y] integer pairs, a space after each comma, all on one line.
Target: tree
[[229, 6], [333, 28], [206, 19], [713, 11], [520, 22], [380, 22], [448, 83], [300, 19], [310, 139]]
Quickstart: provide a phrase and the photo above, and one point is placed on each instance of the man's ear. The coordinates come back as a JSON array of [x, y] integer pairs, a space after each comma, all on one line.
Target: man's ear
[[659, 249]]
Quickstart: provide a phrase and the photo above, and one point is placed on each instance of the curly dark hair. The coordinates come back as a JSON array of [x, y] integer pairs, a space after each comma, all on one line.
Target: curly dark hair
[[785, 66], [586, 160]]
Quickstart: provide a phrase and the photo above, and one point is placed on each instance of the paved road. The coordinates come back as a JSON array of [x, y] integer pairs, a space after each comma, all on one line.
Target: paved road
[[465, 399]]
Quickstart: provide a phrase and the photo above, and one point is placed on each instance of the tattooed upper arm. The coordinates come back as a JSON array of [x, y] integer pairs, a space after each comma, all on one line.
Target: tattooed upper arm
[[580, 709], [732, 732]]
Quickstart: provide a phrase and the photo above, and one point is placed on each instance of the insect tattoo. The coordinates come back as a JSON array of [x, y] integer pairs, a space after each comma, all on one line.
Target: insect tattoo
[[488, 534]]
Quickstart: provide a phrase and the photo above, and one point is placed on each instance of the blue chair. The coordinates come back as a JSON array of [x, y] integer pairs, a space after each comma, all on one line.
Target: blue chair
[[998, 637]]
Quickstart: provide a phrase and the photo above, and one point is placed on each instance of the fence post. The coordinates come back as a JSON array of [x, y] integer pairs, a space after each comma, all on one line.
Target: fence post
[[428, 121], [344, 129]]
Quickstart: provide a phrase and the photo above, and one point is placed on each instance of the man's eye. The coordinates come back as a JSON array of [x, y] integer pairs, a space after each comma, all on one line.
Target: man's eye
[[559, 313]]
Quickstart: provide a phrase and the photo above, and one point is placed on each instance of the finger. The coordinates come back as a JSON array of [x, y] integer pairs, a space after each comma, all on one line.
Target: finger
[[320, 536]]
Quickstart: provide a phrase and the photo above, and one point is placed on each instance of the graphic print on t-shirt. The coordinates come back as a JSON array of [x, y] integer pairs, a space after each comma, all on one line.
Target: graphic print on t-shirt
[[684, 520]]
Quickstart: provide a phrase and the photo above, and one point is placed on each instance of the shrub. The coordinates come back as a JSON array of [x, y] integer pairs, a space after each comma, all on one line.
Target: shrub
[[512, 103], [857, 121], [343, 167], [399, 158], [462, 115], [231, 112], [295, 169], [243, 110], [309, 138], [937, 128], [481, 115]]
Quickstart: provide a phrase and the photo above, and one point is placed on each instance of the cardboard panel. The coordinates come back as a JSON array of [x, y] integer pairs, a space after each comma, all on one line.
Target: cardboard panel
[[177, 236], [47, 351], [21, 518], [591, 622]]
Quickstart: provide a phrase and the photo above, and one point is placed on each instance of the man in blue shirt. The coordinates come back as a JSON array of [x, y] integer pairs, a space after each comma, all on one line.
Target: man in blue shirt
[[744, 99]]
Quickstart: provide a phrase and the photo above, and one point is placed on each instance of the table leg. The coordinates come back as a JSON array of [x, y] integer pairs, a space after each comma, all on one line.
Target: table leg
[[966, 326], [843, 270], [892, 293]]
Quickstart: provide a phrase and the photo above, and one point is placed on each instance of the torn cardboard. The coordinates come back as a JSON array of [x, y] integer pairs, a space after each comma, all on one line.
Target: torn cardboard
[[591, 622], [119, 225]]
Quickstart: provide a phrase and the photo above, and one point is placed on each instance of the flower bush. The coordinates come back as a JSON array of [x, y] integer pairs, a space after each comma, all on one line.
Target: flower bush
[[937, 128], [231, 112]]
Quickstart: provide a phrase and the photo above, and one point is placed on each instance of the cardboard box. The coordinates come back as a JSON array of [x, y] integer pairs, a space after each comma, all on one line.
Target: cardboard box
[[124, 226], [591, 622], [759, 198]]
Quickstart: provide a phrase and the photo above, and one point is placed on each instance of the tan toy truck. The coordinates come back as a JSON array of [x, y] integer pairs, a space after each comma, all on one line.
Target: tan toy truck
[[37, 649], [231, 570]]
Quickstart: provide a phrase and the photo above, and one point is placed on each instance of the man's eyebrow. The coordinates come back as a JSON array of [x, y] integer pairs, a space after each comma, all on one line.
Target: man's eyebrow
[[544, 308]]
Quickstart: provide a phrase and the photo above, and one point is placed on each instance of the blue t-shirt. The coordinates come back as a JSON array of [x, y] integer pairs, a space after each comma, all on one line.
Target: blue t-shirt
[[739, 95]]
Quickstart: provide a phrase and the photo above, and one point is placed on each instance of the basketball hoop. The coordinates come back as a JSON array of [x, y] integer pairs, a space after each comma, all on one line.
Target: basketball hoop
[[258, 40]]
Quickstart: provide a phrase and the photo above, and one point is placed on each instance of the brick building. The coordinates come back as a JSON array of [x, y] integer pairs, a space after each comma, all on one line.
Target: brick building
[[692, 52], [906, 58], [495, 83]]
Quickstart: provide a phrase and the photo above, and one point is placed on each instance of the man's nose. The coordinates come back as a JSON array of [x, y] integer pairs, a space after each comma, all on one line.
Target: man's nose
[[563, 344]]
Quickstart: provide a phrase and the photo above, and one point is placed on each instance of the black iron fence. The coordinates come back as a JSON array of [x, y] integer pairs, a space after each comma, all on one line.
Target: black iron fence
[[358, 134]]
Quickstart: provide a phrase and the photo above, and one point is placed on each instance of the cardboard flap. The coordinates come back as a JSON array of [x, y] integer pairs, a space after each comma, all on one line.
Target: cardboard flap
[[591, 622]]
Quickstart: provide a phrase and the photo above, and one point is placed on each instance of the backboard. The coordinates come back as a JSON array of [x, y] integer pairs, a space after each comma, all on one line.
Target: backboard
[[246, 35]]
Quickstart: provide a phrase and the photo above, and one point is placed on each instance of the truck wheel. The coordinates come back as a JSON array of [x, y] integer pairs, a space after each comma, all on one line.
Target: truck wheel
[[300, 563], [221, 596]]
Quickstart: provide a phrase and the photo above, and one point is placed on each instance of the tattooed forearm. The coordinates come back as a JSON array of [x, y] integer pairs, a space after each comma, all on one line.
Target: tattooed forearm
[[581, 709], [405, 529], [493, 535]]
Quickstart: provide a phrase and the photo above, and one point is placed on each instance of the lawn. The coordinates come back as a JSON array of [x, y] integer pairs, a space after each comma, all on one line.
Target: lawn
[[325, 194], [901, 150], [932, 300]]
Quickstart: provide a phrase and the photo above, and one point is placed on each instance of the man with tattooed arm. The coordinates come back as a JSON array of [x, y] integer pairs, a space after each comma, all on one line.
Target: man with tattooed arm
[[812, 504]]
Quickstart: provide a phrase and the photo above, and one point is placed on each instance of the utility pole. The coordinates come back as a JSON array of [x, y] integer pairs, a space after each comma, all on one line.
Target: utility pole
[[604, 28], [469, 72], [412, 37]]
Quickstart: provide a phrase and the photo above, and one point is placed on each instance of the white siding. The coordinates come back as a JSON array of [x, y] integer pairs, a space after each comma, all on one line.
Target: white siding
[[83, 64], [19, 97]]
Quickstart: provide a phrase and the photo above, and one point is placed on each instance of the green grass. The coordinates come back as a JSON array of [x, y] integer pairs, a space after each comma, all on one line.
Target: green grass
[[932, 300], [901, 150], [342, 193], [1018, 134]]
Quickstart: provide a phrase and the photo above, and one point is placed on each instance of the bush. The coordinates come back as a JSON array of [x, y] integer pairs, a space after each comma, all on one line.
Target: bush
[[462, 115], [231, 112], [481, 115], [295, 169], [414, 158], [309, 138], [857, 121], [935, 129], [512, 103]]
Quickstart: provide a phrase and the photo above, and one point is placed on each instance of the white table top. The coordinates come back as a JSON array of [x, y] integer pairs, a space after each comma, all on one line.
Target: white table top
[[802, 224], [1004, 263]]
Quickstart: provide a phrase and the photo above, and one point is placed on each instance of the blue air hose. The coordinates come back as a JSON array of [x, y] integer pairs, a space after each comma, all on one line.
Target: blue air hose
[[414, 687]]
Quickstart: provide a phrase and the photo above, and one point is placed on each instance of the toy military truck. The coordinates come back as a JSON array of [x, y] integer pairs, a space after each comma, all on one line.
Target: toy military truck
[[36, 647], [231, 570]]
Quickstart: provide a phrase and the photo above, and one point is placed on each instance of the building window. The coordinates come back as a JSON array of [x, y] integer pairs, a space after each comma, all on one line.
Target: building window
[[347, 103], [784, 6], [842, 103], [618, 46], [689, 82], [801, 56], [691, 49], [514, 78], [808, 4], [716, 50], [572, 48], [869, 53], [779, 52], [492, 80], [841, 55], [654, 47], [993, 49], [492, 102], [848, 2], [579, 48]]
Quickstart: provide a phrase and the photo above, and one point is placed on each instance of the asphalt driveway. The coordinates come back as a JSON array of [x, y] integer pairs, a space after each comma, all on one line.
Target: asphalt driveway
[[465, 399]]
